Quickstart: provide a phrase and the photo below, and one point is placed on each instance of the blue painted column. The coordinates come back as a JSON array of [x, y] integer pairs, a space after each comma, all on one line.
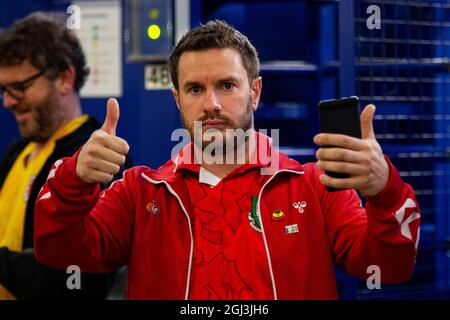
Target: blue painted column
[[346, 48]]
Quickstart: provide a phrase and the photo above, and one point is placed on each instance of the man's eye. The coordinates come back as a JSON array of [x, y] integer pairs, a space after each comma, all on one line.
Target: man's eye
[[195, 90], [228, 86]]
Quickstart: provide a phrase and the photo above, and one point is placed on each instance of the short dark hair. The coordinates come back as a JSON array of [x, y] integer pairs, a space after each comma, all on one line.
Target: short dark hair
[[47, 43], [215, 34]]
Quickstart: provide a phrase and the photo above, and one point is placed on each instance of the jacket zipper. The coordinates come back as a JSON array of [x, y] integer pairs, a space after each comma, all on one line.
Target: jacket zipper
[[190, 228]]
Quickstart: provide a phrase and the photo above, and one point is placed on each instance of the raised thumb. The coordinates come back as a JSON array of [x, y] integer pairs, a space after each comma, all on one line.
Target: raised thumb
[[367, 122], [112, 116]]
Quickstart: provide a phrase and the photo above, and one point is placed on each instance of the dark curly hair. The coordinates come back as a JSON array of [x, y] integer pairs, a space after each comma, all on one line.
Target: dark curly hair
[[215, 34], [47, 43]]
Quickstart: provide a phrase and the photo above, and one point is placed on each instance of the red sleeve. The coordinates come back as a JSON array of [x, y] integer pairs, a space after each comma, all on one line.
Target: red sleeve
[[385, 233], [76, 224]]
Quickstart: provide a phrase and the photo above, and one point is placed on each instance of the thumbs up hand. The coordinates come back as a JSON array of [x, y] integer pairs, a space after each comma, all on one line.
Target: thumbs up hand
[[362, 158], [103, 154]]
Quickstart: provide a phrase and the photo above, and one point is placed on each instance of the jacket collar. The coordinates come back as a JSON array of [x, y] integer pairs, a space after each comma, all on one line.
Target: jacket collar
[[172, 170]]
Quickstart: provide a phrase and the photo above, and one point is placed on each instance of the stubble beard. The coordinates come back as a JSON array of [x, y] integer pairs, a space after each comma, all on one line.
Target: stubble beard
[[244, 123], [47, 116]]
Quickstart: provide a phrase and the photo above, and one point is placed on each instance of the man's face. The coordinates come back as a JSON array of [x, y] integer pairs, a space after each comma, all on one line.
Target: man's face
[[214, 89], [37, 113]]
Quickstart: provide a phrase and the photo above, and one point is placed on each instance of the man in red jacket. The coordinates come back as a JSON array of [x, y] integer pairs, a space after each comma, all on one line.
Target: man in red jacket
[[201, 229]]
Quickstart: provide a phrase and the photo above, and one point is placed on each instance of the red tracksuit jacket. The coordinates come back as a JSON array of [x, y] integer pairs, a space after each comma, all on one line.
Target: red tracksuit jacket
[[76, 224]]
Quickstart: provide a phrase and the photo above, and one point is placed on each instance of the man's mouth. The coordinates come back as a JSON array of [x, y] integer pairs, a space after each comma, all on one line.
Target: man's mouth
[[22, 115], [213, 124]]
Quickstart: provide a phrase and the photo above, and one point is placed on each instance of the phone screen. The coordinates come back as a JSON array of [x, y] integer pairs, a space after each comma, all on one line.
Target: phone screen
[[340, 116]]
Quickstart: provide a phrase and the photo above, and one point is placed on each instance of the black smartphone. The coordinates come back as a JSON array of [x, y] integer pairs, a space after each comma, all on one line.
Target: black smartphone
[[340, 116]]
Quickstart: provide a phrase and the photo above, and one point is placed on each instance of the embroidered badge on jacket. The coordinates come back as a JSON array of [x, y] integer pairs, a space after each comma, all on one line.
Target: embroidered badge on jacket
[[253, 215], [300, 206], [278, 215]]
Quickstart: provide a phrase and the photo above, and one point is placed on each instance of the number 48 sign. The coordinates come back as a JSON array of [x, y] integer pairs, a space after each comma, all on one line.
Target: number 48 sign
[[157, 77]]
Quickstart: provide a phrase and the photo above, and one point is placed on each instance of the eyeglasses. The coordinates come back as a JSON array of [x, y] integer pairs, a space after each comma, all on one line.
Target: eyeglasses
[[17, 89]]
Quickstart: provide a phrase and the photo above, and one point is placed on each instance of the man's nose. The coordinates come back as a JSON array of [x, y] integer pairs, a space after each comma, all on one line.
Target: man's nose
[[212, 102], [8, 100]]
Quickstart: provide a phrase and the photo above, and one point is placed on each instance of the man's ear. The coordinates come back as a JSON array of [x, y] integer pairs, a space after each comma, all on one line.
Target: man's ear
[[66, 80], [256, 92], [176, 96]]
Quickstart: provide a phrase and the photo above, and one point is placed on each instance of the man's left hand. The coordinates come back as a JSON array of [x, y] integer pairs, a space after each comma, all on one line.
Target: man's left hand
[[362, 158]]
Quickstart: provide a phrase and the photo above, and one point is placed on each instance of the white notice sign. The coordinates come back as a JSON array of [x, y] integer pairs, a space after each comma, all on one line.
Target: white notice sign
[[100, 34]]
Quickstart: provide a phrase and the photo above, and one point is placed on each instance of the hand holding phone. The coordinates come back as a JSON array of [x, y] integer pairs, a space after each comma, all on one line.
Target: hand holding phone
[[349, 147]]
